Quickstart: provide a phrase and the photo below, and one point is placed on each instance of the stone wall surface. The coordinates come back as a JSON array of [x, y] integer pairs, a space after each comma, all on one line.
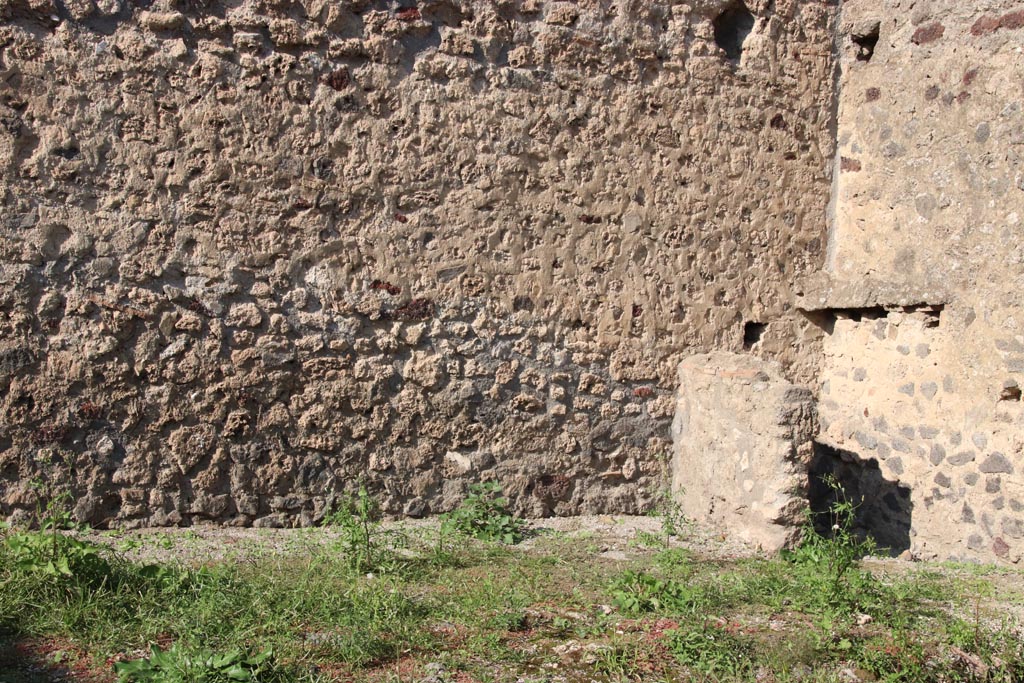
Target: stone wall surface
[[744, 442], [254, 252], [924, 351]]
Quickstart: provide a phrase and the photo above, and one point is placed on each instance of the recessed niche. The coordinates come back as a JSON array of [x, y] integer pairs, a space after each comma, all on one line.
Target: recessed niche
[[732, 28], [752, 332], [866, 38]]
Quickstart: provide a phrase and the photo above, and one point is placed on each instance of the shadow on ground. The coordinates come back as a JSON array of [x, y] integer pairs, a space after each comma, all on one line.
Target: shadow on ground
[[25, 660]]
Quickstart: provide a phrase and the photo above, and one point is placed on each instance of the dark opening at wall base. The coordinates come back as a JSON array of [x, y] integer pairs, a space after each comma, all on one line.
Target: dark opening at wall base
[[883, 507]]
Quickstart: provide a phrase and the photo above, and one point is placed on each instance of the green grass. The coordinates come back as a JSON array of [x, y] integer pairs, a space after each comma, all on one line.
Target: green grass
[[489, 612]]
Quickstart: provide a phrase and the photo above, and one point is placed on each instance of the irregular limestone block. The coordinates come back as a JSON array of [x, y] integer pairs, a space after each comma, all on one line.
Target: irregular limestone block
[[743, 440]]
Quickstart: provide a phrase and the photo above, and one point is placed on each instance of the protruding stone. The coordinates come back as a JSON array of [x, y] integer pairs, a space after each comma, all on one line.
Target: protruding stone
[[162, 21], [424, 368], [731, 430], [1010, 391], [244, 315]]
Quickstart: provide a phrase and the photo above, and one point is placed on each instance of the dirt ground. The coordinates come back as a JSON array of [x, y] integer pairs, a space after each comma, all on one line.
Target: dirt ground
[[617, 534]]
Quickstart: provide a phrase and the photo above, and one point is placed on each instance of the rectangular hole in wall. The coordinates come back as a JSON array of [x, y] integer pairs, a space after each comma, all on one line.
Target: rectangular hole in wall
[[752, 333]]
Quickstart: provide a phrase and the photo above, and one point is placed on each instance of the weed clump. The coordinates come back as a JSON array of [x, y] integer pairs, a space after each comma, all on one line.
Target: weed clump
[[54, 560], [638, 592], [365, 545], [484, 514], [674, 523], [180, 665], [827, 566], [713, 649]]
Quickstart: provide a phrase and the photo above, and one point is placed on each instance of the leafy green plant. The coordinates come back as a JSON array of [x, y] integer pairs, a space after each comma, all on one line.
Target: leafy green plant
[[713, 649], [833, 560], [56, 514], [618, 661], [51, 552], [639, 592], [365, 544], [673, 521], [484, 514], [645, 539], [178, 665], [54, 554], [444, 552], [675, 559], [129, 545]]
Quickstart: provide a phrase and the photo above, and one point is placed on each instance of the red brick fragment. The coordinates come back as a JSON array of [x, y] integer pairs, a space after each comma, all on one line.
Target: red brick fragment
[[1012, 20], [928, 33], [89, 411], [848, 164], [408, 14], [382, 286], [417, 309], [970, 75], [337, 79], [985, 24]]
